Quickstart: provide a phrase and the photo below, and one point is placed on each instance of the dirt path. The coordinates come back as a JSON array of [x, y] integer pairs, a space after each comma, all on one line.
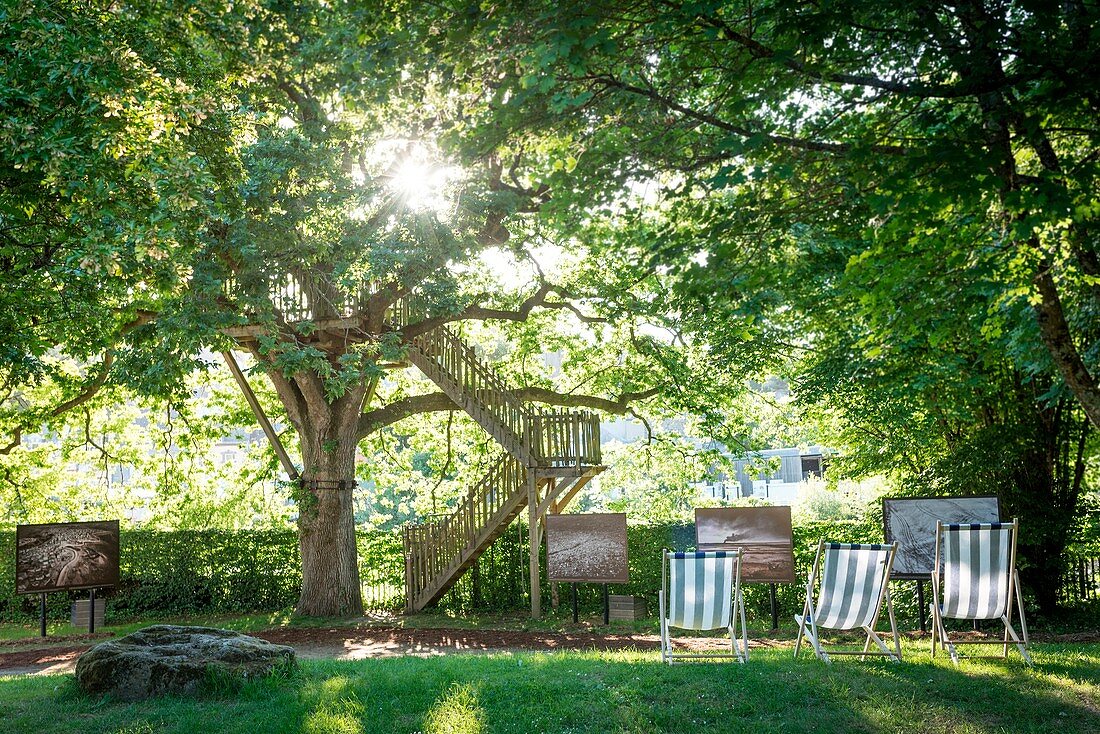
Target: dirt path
[[349, 643], [356, 643]]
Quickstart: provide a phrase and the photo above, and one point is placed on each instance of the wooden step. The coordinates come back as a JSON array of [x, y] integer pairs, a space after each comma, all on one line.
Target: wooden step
[[436, 554], [476, 409], [446, 580]]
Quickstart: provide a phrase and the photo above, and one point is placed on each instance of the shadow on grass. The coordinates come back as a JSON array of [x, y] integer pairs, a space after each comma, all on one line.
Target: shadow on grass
[[624, 691]]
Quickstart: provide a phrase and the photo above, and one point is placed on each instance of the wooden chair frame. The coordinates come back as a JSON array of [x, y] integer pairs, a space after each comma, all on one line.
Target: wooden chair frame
[[939, 633], [807, 624], [739, 642]]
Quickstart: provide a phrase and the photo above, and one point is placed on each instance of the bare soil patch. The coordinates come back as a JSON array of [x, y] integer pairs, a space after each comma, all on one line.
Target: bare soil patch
[[352, 643], [355, 643]]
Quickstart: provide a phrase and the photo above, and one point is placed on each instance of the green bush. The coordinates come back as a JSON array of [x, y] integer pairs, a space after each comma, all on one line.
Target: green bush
[[180, 572], [229, 572]]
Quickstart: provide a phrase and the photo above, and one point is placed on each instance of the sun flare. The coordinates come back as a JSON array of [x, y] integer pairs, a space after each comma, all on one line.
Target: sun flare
[[421, 184]]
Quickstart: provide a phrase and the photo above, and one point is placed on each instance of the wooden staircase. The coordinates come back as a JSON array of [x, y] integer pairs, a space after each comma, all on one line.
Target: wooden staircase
[[438, 553], [549, 455], [475, 387]]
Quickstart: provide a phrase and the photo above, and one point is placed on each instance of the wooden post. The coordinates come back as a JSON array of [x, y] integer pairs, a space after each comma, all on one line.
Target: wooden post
[[408, 572], [774, 606], [533, 540], [258, 411], [922, 610]]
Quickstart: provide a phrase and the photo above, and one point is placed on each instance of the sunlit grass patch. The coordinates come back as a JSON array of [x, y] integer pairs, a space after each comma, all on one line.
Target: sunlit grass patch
[[458, 711], [338, 716], [597, 692]]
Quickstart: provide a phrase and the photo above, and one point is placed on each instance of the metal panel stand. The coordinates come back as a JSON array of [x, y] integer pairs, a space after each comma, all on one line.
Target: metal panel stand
[[922, 610]]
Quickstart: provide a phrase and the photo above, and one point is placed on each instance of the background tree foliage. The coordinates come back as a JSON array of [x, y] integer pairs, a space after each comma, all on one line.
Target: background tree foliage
[[891, 206], [113, 145], [894, 205]]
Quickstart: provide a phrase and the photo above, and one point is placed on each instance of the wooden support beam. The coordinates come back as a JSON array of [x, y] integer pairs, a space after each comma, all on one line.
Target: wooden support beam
[[553, 489], [258, 411], [533, 542], [372, 388], [564, 499]]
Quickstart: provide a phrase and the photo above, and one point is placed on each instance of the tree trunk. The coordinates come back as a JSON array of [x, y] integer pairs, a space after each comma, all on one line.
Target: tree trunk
[[1043, 573], [1056, 336], [326, 519]]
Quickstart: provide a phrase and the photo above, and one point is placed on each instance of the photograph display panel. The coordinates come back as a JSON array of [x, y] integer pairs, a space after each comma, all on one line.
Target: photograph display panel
[[763, 533], [587, 548], [911, 521], [60, 556]]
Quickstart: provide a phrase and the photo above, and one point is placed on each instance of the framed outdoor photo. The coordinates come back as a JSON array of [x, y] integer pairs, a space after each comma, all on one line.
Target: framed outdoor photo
[[763, 533], [71, 555], [587, 548], [912, 522]]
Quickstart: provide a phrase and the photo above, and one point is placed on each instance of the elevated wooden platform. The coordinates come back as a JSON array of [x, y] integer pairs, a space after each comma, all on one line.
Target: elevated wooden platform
[[549, 455]]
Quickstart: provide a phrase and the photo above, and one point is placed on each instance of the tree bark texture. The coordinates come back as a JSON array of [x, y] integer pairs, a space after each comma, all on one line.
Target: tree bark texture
[[1043, 489], [328, 432], [1058, 339], [326, 530]]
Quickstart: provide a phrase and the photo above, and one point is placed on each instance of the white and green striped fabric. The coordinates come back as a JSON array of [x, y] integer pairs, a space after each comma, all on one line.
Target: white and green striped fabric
[[977, 566], [700, 589], [852, 578]]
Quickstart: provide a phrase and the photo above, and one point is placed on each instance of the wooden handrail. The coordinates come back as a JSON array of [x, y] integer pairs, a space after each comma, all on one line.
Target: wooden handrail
[[302, 295], [551, 437], [541, 437], [436, 549]]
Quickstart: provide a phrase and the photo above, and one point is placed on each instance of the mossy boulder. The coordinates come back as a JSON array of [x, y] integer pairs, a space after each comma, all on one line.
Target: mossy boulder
[[165, 659]]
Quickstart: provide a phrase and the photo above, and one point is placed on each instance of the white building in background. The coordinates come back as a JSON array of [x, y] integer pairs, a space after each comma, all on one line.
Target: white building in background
[[777, 476]]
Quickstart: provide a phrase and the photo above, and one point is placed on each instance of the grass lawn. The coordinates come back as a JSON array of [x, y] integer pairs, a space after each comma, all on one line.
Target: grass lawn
[[604, 692]]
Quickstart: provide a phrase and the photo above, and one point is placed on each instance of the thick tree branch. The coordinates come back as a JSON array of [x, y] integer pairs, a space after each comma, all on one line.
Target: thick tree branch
[[16, 440], [375, 420], [307, 106], [477, 312], [379, 418], [1055, 333], [717, 122], [615, 406], [918, 90], [91, 387]]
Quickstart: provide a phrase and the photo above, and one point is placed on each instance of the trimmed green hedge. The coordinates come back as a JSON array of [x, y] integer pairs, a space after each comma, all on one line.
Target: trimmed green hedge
[[179, 572], [223, 572], [228, 572], [499, 581]]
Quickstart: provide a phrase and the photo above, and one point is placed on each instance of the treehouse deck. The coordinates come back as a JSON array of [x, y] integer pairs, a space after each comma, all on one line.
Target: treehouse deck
[[548, 455]]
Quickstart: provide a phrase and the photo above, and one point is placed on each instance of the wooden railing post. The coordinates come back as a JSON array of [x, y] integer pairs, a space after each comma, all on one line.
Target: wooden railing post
[[552, 438]]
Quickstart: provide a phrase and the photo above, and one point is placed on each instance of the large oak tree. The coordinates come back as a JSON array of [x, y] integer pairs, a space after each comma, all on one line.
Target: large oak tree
[[298, 215]]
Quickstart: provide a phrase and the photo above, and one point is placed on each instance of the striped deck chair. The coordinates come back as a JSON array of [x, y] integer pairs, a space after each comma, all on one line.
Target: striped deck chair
[[702, 591], [977, 575], [853, 586]]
